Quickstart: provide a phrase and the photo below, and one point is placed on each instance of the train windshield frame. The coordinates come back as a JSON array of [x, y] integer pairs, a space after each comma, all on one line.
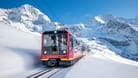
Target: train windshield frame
[[55, 43]]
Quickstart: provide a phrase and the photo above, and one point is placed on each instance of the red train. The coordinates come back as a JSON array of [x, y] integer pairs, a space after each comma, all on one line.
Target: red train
[[59, 47]]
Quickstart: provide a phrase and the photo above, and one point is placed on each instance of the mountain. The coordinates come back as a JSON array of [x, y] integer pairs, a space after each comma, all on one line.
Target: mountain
[[116, 33], [26, 18]]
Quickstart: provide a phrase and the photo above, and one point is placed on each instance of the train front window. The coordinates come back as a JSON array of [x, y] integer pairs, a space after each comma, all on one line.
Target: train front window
[[55, 44], [48, 41], [62, 39]]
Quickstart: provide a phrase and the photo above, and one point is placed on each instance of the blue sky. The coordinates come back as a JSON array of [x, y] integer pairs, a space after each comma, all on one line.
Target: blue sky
[[78, 11]]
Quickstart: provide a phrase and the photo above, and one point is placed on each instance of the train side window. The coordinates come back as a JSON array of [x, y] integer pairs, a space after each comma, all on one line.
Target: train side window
[[71, 42]]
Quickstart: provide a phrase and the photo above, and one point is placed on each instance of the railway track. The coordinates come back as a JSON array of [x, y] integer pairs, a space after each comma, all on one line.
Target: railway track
[[45, 73]]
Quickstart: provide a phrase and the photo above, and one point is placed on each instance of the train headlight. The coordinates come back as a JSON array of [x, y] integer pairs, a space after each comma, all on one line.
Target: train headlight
[[45, 52], [64, 51]]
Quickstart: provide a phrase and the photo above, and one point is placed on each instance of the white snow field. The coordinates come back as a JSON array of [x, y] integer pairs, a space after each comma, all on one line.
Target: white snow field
[[19, 51], [92, 67]]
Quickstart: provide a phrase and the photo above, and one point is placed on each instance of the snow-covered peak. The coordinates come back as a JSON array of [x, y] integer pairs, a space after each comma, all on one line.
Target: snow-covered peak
[[103, 19], [26, 6], [32, 12], [80, 26], [27, 17], [98, 18]]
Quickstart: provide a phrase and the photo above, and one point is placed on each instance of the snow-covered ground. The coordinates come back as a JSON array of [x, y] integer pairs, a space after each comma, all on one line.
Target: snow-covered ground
[[94, 67], [19, 51]]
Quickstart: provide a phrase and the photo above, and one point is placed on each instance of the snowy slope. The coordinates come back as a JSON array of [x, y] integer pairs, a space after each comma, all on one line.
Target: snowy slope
[[93, 67], [119, 36], [19, 51], [26, 18]]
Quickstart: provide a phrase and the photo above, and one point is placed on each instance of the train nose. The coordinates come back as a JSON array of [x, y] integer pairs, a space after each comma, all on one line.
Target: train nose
[[52, 62]]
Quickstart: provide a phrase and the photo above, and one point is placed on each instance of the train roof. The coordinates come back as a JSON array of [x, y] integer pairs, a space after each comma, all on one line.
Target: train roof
[[53, 31]]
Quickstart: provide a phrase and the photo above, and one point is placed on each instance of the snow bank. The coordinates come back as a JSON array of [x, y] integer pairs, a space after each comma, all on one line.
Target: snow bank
[[19, 51]]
